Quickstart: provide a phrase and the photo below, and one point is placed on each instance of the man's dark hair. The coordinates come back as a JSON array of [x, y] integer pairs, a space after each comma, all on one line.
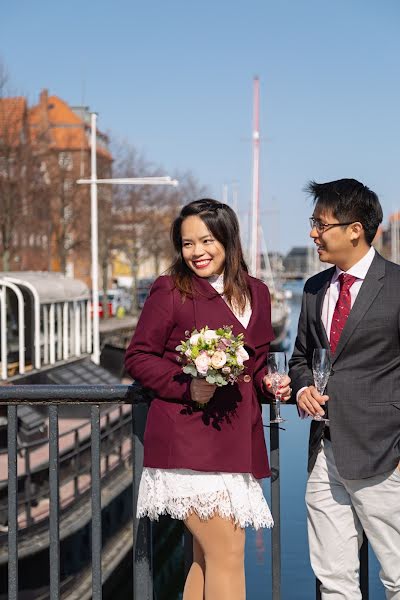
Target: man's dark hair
[[349, 200]]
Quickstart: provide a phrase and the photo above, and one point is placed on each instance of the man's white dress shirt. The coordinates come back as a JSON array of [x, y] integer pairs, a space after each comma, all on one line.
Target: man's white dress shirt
[[359, 270]]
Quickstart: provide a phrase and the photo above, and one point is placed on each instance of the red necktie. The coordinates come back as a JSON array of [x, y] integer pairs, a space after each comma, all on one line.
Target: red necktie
[[342, 309]]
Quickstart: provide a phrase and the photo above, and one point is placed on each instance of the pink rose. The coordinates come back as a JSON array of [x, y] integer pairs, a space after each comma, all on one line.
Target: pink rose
[[218, 359], [202, 363]]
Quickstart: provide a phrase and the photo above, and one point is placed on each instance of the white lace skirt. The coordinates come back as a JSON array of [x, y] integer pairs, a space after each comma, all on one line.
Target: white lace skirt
[[179, 492]]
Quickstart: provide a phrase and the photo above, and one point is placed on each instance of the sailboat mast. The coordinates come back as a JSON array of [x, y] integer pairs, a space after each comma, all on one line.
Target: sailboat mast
[[255, 206]]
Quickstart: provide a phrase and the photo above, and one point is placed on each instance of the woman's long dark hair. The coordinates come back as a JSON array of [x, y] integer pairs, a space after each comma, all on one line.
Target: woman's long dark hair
[[222, 222]]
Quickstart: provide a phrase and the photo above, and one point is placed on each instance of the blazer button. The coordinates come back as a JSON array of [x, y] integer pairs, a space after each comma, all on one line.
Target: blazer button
[[246, 378]]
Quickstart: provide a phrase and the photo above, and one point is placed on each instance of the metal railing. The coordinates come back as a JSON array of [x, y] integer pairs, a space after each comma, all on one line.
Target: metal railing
[[73, 464], [96, 395]]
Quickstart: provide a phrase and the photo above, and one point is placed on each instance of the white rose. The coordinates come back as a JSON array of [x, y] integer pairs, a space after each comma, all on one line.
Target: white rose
[[202, 363], [210, 335], [194, 339], [241, 355], [218, 359]]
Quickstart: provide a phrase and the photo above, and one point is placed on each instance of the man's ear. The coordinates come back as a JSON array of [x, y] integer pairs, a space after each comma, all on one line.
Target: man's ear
[[356, 231]]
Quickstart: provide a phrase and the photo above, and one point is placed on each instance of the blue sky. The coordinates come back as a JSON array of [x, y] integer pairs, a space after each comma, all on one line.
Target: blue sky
[[174, 78]]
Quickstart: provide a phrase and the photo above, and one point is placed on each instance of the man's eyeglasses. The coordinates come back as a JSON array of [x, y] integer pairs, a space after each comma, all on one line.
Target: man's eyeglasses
[[321, 227]]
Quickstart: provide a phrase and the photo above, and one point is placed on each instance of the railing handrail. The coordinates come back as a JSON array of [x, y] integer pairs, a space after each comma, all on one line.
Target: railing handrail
[[45, 394]]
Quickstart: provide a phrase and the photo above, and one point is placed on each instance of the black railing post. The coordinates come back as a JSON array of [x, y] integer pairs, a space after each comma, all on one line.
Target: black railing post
[[275, 507], [96, 503], [364, 569], [120, 436], [107, 443], [28, 486], [54, 470], [12, 504], [317, 589], [77, 464], [187, 551], [142, 542]]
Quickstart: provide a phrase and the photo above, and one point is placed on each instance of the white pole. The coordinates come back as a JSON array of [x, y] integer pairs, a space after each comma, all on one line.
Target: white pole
[[95, 244], [52, 336], [132, 181], [65, 331], [235, 205], [225, 193], [256, 167]]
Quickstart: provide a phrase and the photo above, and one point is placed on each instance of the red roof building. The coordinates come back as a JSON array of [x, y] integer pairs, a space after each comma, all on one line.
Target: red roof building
[[58, 136]]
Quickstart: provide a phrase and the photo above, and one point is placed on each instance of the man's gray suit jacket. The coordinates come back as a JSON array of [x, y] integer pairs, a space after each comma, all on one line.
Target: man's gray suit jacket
[[364, 385]]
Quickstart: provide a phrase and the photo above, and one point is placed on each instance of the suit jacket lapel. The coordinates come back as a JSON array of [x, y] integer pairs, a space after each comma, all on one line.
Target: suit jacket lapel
[[323, 336], [369, 290]]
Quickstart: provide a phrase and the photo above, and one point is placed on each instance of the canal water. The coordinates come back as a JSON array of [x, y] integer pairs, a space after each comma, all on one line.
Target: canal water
[[298, 582]]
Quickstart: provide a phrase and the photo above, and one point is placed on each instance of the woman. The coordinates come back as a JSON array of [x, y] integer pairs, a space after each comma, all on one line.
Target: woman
[[202, 465]]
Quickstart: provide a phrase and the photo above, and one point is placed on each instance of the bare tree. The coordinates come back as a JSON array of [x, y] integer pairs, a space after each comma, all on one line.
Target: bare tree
[[128, 205], [142, 215], [15, 168], [162, 206]]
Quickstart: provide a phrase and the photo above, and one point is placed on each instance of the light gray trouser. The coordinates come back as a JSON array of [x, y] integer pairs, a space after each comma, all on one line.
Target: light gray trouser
[[338, 510]]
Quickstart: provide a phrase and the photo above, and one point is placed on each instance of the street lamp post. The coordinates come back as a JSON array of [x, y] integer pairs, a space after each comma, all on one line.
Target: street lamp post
[[93, 182]]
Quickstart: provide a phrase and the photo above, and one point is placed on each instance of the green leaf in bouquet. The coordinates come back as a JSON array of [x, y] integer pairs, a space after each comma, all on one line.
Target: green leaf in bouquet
[[220, 381], [190, 370], [211, 379], [179, 348]]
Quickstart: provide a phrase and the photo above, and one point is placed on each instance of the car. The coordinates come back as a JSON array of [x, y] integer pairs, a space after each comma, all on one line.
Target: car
[[119, 302]]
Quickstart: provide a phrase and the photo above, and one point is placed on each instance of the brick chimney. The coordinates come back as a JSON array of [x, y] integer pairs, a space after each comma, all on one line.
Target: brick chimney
[[44, 99]]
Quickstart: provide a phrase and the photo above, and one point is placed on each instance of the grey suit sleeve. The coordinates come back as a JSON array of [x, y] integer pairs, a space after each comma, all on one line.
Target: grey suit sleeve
[[300, 364]]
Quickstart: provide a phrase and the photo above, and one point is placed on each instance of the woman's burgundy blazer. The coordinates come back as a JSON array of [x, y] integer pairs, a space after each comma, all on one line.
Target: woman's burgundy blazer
[[228, 434]]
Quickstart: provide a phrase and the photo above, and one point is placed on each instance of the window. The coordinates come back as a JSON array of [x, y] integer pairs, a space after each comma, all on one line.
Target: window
[[65, 160]]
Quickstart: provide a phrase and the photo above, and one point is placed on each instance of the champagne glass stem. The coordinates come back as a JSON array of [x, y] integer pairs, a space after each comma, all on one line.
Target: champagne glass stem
[[277, 410]]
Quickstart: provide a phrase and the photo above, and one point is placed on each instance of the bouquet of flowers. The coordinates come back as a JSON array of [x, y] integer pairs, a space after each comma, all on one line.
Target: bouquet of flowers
[[215, 354]]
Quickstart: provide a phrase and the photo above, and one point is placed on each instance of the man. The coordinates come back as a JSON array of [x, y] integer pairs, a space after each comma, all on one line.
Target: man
[[352, 308]]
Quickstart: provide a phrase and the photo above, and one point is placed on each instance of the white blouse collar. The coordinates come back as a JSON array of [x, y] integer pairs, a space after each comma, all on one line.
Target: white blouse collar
[[217, 281]]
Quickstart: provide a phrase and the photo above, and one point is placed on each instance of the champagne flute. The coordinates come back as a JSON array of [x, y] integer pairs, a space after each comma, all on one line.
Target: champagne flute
[[321, 368], [277, 369]]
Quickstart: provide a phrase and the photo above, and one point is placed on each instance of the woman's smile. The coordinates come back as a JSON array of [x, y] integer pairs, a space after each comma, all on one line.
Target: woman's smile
[[201, 264]]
